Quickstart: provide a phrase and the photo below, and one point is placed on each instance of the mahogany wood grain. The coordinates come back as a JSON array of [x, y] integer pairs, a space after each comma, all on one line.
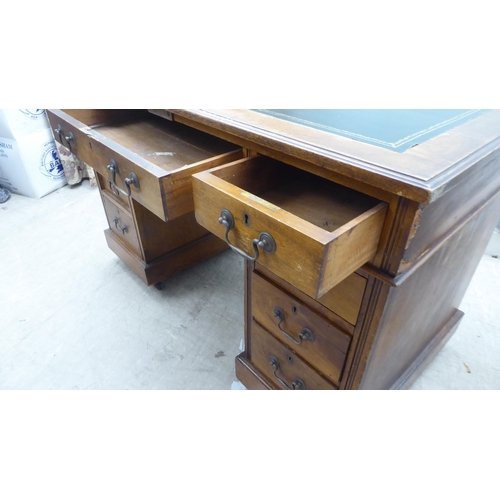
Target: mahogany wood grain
[[158, 237], [357, 242], [121, 223], [423, 173], [326, 351], [168, 264], [416, 311], [113, 192], [249, 376], [128, 257], [183, 258], [375, 249], [178, 187], [318, 169], [345, 298], [102, 117], [341, 305], [477, 187], [167, 145], [97, 151], [372, 310], [429, 353], [402, 227], [291, 366], [148, 146], [442, 206], [312, 258]]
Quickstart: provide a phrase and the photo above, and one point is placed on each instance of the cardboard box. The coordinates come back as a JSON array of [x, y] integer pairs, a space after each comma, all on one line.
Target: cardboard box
[[15, 123], [30, 165]]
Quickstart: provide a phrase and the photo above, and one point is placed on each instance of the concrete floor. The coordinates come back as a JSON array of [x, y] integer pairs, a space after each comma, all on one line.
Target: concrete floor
[[74, 317]]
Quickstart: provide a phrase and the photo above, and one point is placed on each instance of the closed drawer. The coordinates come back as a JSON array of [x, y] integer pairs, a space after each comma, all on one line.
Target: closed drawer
[[318, 232], [121, 223], [300, 328], [113, 192], [345, 298], [147, 157], [280, 365], [341, 305]]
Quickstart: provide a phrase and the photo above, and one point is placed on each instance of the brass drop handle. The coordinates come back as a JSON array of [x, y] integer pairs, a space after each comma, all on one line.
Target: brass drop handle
[[264, 242], [132, 181], [122, 229], [59, 132], [113, 168], [113, 188], [305, 334], [297, 385], [69, 138]]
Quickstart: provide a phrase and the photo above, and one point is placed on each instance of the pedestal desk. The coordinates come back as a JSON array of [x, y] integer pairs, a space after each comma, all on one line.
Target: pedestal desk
[[361, 231], [143, 165]]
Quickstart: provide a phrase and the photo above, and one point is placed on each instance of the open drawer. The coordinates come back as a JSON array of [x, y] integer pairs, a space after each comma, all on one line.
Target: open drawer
[[142, 155], [311, 232]]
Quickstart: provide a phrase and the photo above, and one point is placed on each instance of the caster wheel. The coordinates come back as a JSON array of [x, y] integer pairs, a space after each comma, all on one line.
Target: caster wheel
[[159, 285]]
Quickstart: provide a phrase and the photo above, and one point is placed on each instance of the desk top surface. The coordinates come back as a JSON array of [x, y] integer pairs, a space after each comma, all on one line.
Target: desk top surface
[[417, 154], [394, 129]]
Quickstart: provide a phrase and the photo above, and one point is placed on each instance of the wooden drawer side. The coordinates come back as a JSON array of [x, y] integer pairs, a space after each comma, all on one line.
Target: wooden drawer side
[[357, 242], [178, 188], [294, 243], [99, 152], [323, 232], [151, 157]]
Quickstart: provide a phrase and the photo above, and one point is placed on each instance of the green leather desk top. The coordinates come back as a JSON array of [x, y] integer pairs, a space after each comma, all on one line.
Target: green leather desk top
[[417, 154], [394, 129]]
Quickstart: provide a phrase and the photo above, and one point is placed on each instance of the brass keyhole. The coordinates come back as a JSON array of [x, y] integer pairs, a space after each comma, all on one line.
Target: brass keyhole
[[294, 310], [246, 219]]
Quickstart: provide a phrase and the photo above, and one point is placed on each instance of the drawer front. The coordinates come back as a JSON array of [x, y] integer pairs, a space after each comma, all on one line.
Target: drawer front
[[120, 197], [104, 155], [341, 305], [282, 366], [321, 232], [121, 223], [146, 157], [300, 328], [345, 298]]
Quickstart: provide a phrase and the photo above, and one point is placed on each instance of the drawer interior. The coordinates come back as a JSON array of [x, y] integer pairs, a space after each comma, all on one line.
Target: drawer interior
[[322, 231], [325, 204], [168, 145]]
